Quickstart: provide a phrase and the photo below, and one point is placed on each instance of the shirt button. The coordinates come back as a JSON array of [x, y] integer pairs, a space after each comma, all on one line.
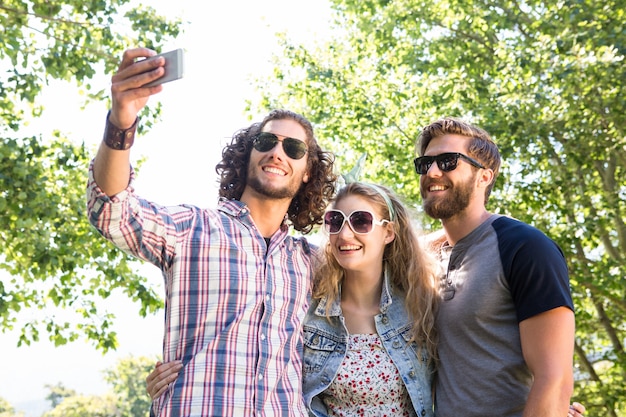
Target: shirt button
[[412, 374], [396, 344], [260, 377], [385, 320], [262, 337]]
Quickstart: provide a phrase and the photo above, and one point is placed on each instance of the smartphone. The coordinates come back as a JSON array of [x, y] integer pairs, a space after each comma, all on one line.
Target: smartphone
[[173, 67]]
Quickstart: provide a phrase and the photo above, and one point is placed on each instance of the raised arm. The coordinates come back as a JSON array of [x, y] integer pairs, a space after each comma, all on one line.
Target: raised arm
[[112, 162]]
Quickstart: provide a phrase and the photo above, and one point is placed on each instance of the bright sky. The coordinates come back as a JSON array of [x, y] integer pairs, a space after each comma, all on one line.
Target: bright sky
[[225, 43]]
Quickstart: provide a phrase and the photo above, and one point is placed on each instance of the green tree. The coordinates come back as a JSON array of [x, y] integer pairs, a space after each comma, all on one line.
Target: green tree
[[128, 380], [127, 398], [546, 79], [85, 406], [58, 392], [50, 252], [7, 410]]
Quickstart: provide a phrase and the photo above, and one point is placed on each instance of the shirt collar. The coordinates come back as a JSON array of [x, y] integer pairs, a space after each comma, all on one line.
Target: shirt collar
[[238, 209], [234, 208]]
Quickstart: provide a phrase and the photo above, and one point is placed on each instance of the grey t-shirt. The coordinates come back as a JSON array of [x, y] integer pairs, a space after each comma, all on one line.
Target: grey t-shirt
[[502, 273]]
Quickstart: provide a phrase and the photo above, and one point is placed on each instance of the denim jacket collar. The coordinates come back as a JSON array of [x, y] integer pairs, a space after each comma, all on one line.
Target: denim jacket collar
[[335, 309]]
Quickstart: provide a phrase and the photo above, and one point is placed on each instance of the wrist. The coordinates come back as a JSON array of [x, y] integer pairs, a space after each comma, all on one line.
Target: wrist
[[116, 138]]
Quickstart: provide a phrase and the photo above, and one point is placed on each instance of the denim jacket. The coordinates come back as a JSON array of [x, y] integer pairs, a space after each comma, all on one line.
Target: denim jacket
[[325, 346]]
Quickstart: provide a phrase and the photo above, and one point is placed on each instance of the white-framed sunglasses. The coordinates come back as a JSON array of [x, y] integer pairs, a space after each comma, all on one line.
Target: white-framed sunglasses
[[361, 222]]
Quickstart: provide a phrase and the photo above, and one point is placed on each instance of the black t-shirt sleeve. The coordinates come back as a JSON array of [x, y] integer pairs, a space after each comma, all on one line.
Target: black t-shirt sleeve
[[534, 267]]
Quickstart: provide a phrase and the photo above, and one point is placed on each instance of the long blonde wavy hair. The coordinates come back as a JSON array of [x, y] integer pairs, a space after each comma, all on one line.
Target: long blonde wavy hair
[[410, 267]]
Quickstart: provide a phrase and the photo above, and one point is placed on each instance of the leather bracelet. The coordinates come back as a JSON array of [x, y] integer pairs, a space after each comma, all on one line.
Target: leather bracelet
[[119, 139]]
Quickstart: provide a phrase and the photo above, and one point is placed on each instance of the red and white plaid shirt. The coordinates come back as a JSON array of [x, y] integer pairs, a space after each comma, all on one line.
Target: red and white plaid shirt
[[234, 307]]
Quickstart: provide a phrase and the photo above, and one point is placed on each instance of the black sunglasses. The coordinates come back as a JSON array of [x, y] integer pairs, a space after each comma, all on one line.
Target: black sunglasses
[[445, 161], [294, 148], [361, 221]]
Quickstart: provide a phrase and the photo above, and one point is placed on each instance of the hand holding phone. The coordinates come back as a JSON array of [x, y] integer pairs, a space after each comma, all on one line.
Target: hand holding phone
[[173, 67]]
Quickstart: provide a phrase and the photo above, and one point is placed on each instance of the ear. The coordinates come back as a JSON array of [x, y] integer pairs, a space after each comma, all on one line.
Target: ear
[[390, 234], [485, 177], [306, 177]]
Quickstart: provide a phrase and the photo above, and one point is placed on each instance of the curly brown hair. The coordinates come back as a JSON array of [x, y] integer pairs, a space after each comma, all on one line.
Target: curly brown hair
[[308, 205]]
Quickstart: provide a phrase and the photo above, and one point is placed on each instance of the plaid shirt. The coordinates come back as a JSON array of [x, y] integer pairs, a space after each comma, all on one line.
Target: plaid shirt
[[234, 307]]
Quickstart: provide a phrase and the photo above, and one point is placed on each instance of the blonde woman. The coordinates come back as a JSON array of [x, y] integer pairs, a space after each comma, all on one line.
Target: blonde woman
[[369, 337]]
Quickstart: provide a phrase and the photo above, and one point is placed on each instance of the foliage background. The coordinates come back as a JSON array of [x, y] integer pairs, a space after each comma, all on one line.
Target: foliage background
[[52, 254], [127, 396], [545, 78]]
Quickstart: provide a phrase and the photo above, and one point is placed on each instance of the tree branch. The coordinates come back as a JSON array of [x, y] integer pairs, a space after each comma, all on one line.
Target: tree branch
[[43, 17]]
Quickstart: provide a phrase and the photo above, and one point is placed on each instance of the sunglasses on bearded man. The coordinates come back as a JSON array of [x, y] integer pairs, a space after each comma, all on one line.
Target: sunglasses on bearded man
[[294, 148], [445, 161]]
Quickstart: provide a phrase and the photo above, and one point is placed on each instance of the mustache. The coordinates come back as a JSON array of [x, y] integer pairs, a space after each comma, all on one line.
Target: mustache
[[427, 183]]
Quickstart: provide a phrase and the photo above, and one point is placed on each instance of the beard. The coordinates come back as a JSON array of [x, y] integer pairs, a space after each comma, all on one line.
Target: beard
[[287, 192], [456, 200]]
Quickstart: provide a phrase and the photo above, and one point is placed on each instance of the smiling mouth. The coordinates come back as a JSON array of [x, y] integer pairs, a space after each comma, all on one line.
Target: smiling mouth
[[276, 171], [349, 247], [437, 187]]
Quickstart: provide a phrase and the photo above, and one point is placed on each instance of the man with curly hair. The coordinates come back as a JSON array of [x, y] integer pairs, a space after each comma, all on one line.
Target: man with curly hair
[[236, 283]]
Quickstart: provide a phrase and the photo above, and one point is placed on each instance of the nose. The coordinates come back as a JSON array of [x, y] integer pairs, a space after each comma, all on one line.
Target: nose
[[433, 170], [277, 152], [346, 230]]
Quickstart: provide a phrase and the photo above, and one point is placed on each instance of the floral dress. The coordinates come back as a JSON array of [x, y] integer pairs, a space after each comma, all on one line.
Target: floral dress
[[367, 383]]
